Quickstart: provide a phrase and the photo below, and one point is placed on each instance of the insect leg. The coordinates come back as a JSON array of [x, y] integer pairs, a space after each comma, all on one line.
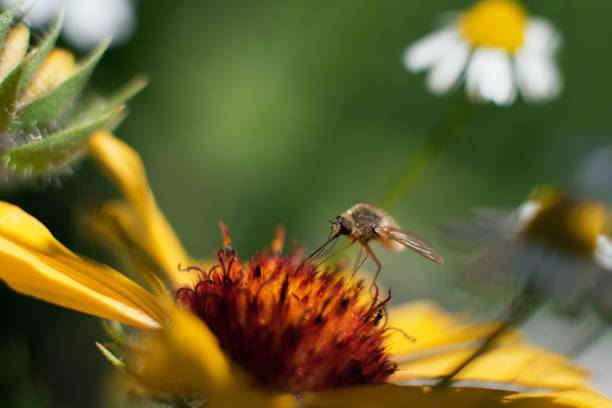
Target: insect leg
[[358, 265], [357, 259], [330, 248], [369, 251]]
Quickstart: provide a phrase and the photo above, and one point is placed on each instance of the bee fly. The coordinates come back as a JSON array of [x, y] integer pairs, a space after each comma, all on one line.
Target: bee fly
[[365, 222]]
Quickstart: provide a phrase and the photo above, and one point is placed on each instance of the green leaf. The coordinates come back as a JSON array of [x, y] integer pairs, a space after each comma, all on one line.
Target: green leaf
[[48, 107], [126, 92], [114, 101], [116, 121], [41, 52], [55, 151], [110, 356], [8, 94], [6, 20], [115, 331]]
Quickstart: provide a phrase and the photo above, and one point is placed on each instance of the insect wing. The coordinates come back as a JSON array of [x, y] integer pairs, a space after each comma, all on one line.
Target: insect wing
[[411, 241]]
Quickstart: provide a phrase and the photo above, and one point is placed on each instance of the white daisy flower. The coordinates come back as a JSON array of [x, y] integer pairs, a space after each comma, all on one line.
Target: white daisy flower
[[498, 48], [87, 23], [558, 243]]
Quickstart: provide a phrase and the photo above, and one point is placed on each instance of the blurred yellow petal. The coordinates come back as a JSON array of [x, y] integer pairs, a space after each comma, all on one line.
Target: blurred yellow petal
[[428, 328], [574, 399], [389, 396], [14, 49], [34, 263], [57, 67], [443, 341], [509, 364], [106, 226], [147, 225], [185, 359], [127, 225]]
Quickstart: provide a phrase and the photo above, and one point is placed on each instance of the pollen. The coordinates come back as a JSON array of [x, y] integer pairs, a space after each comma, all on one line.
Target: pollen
[[293, 326], [495, 23]]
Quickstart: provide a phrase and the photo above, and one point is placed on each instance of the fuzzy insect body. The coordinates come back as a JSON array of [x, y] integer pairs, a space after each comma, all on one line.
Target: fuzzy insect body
[[365, 222]]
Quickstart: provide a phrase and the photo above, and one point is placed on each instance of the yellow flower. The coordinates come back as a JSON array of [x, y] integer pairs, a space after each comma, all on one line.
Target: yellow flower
[[183, 353], [498, 47]]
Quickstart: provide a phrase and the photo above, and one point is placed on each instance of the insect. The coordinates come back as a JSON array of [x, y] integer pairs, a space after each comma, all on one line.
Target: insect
[[365, 222]]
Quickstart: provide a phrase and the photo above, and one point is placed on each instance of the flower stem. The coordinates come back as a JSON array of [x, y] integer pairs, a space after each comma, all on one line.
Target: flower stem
[[424, 157], [522, 307]]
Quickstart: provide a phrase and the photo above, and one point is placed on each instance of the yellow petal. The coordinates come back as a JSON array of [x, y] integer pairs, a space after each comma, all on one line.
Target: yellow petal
[[389, 396], [575, 399], [14, 49], [423, 327], [185, 359], [106, 225], [148, 225], [126, 227], [34, 263], [57, 67], [182, 358], [509, 364], [442, 342]]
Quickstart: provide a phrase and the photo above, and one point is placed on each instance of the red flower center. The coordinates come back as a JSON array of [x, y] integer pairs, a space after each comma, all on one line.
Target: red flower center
[[293, 326]]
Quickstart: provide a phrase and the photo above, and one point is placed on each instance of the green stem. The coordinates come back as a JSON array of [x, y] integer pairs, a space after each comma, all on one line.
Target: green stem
[[424, 157], [522, 307]]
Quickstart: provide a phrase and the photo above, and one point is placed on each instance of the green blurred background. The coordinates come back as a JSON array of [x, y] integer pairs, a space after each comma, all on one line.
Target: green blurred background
[[287, 112]]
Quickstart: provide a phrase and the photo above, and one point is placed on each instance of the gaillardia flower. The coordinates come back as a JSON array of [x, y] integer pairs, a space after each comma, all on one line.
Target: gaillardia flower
[[497, 47], [271, 331], [295, 327], [44, 126], [557, 243]]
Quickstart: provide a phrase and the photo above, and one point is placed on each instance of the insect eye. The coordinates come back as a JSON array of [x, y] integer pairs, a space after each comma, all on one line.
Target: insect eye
[[345, 226]]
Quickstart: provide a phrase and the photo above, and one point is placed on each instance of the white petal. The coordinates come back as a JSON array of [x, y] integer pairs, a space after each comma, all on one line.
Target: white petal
[[541, 37], [88, 23], [538, 75], [525, 214], [425, 52], [474, 71], [490, 76], [447, 70], [603, 252], [39, 12]]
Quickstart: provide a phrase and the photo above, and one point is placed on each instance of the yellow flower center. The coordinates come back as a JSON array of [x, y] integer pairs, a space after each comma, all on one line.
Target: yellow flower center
[[568, 222], [495, 23]]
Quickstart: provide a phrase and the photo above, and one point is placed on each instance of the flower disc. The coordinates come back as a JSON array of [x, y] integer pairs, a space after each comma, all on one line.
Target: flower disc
[[293, 326]]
